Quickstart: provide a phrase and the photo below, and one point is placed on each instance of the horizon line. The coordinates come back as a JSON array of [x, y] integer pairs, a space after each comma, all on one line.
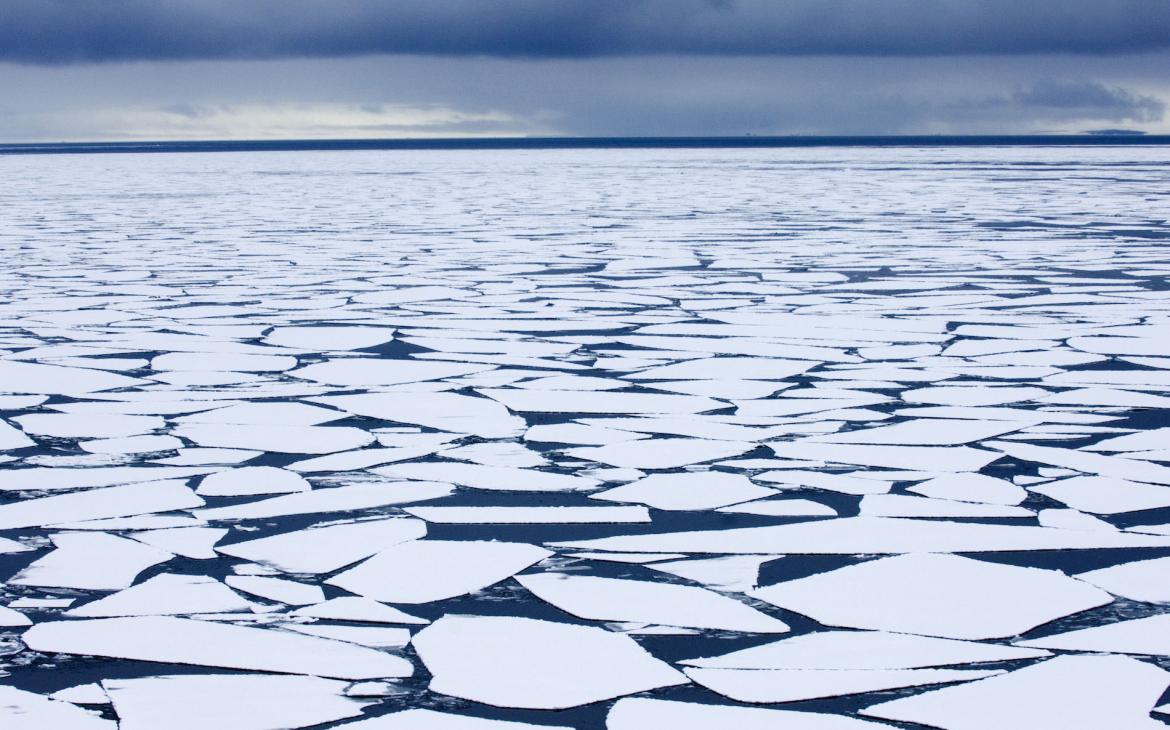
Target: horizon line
[[1120, 137]]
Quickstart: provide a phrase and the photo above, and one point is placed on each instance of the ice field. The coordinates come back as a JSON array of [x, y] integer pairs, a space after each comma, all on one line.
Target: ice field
[[821, 439]]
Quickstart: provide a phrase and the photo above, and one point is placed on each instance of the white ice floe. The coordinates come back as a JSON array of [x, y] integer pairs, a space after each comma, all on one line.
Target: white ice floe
[[868, 535], [579, 434], [277, 589], [335, 499], [929, 458], [97, 504], [375, 637], [864, 650], [423, 719], [615, 599], [493, 478], [11, 438], [529, 515], [222, 361], [422, 571], [359, 459], [828, 481], [660, 453], [204, 643], [920, 432], [972, 395], [131, 445], [251, 480], [1070, 519], [639, 713], [277, 438], [37, 379], [1155, 438], [329, 339], [575, 401], [443, 411], [496, 453], [1105, 495], [1067, 692], [936, 595], [634, 558], [720, 368], [967, 487], [729, 573], [20, 710], [901, 505], [687, 490], [1149, 636], [69, 425], [10, 617], [164, 595], [327, 548], [228, 702], [1106, 466], [367, 372], [196, 456], [793, 685], [265, 414], [91, 561], [1141, 580], [358, 608], [518, 662], [782, 508], [82, 694]]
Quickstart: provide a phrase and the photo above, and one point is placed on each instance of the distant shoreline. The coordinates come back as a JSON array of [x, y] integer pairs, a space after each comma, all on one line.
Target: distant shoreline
[[552, 143]]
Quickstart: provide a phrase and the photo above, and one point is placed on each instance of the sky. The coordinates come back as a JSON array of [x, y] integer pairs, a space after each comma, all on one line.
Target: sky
[[124, 70]]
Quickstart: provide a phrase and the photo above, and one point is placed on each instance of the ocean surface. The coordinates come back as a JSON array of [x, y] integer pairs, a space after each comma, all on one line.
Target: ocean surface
[[802, 432]]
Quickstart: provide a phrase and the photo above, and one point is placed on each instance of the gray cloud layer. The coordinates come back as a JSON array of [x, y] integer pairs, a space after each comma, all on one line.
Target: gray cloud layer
[[49, 32]]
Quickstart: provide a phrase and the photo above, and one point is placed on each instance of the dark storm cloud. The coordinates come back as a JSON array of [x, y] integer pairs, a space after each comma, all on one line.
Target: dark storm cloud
[[1079, 97], [81, 31]]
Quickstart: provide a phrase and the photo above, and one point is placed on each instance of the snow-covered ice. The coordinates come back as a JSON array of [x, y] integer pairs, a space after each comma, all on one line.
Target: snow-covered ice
[[495, 435]]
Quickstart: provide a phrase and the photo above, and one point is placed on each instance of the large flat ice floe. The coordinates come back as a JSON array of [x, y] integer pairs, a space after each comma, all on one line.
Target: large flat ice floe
[[209, 644], [936, 595], [520, 662], [624, 439]]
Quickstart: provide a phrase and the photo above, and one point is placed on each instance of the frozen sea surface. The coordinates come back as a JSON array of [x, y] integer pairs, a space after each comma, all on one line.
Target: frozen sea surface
[[425, 440]]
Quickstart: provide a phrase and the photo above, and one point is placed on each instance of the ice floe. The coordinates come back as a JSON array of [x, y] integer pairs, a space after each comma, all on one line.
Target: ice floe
[[510, 661], [936, 595], [228, 701], [422, 571], [1073, 692], [326, 548], [614, 599], [204, 643]]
